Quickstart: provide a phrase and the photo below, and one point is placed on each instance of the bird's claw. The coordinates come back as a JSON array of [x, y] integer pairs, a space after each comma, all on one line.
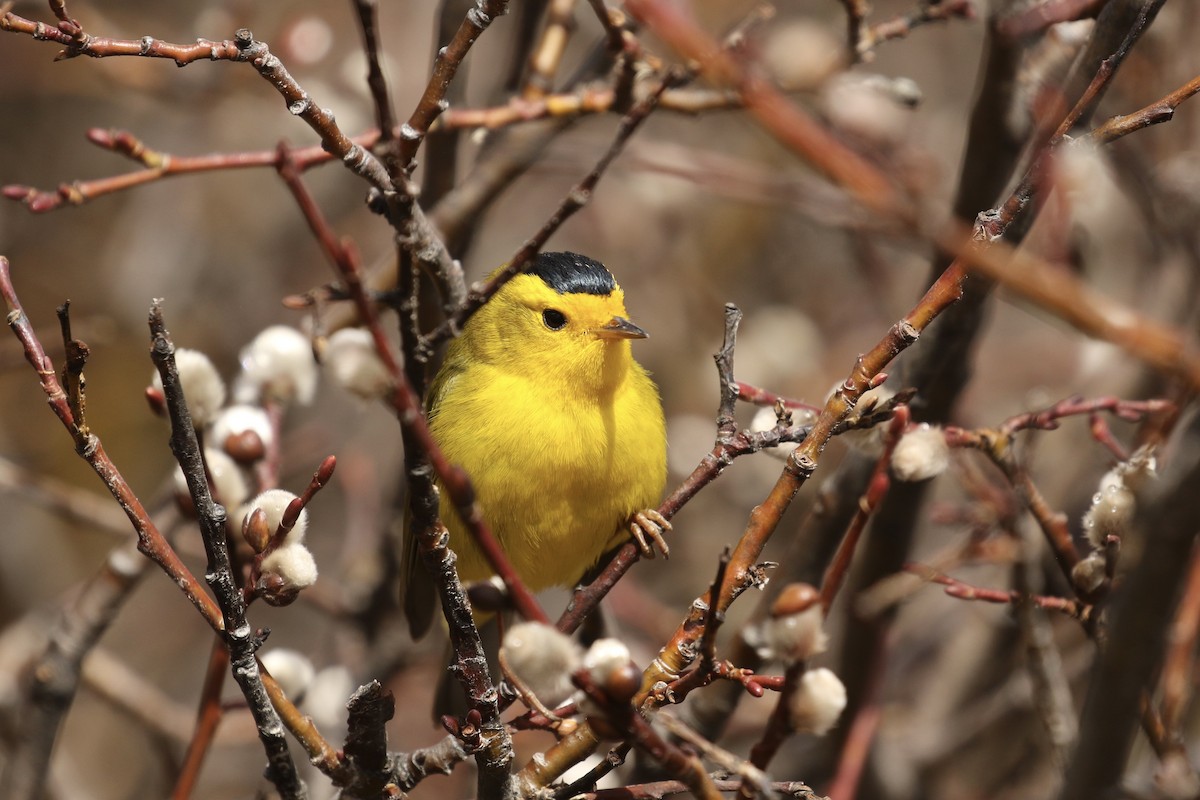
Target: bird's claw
[[647, 528]]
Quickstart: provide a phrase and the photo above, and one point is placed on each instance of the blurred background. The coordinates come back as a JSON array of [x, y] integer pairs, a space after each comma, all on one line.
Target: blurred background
[[699, 210]]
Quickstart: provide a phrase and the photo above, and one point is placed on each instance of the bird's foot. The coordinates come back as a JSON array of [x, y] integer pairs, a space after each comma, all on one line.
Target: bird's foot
[[647, 528]]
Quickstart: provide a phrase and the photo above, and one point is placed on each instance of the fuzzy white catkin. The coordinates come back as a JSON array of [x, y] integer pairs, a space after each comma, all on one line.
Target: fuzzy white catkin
[[1114, 503], [794, 637], [802, 55], [817, 702], [864, 108], [604, 657], [274, 502], [202, 385], [351, 359], [228, 480], [238, 419], [921, 454], [293, 671], [278, 364], [293, 564], [1110, 514], [543, 658], [326, 698]]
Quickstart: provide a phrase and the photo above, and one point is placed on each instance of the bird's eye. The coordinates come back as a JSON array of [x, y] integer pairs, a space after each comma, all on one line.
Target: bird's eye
[[555, 320]]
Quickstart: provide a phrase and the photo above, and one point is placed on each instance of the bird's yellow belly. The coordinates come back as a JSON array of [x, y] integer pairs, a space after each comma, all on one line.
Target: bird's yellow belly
[[556, 485]]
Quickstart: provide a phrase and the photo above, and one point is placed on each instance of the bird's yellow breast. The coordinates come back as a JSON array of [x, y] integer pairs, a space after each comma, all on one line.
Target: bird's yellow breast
[[557, 470]]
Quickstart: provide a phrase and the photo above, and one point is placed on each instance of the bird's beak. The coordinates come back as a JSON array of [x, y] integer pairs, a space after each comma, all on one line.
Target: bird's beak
[[619, 328]]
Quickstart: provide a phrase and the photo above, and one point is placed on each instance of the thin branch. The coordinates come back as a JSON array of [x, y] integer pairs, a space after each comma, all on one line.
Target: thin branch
[[903, 25], [779, 116], [432, 104], [965, 591], [721, 757], [877, 487], [150, 540], [239, 636], [158, 165], [207, 718], [1161, 110], [545, 59], [1031, 185], [1069, 298], [575, 199], [242, 48], [856, 16], [368, 23], [1047, 419]]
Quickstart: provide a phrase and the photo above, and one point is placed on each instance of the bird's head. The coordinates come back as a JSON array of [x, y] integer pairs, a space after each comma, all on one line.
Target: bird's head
[[560, 322]]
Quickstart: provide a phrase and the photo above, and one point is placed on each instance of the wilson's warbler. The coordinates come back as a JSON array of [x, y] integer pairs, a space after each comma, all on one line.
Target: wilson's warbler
[[560, 430]]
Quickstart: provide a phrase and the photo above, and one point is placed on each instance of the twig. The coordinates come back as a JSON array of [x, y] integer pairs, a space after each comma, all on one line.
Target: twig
[[150, 540], [159, 165], [341, 253], [575, 199], [1047, 419], [240, 638], [1161, 110], [965, 591], [368, 23], [877, 487], [613, 34], [207, 718], [1031, 184], [729, 445], [856, 15], [1069, 298], [774, 111], [1051, 691], [777, 728], [718, 755], [658, 790], [902, 26], [559, 22], [431, 104], [624, 720], [440, 759], [370, 707], [243, 48], [706, 668], [768, 399], [320, 752]]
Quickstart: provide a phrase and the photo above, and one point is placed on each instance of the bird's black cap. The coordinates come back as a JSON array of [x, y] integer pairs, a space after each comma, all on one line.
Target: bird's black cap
[[571, 273]]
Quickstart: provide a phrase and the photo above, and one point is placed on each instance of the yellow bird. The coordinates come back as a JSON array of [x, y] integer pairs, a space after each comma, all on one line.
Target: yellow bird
[[560, 430]]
